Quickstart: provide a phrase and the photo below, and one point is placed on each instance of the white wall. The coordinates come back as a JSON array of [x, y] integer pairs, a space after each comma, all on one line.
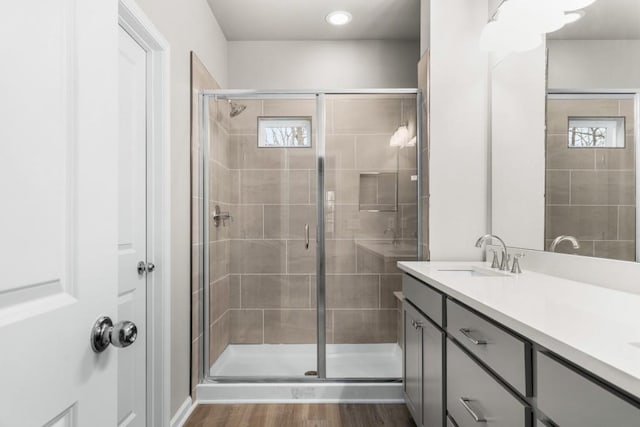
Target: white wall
[[187, 25], [425, 12], [594, 64], [517, 148], [322, 64], [459, 129]]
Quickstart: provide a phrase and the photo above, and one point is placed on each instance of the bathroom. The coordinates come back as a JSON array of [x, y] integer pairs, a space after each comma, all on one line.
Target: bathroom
[[301, 213]]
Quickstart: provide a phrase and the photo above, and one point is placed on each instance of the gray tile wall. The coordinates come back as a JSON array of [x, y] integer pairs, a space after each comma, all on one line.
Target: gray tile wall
[[590, 192]]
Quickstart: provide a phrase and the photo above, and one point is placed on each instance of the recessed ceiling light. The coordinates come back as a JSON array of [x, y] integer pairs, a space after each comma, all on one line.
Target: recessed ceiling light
[[339, 17]]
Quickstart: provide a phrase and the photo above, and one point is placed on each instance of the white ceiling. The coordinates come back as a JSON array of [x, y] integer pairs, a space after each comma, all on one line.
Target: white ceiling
[[605, 20], [305, 19]]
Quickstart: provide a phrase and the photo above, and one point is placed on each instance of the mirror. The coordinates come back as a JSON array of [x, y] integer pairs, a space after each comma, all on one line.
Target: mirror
[[378, 191], [564, 130]]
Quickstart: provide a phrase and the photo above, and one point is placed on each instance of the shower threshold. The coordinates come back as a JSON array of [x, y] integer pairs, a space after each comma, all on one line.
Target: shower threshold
[[296, 360]]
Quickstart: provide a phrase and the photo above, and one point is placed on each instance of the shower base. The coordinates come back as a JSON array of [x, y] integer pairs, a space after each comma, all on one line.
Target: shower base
[[294, 360]]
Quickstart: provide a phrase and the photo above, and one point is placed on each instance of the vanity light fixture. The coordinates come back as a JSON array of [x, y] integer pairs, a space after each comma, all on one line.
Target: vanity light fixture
[[575, 4], [572, 17], [338, 17], [519, 25]]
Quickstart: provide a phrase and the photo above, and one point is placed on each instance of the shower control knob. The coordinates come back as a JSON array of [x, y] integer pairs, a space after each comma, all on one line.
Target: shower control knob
[[104, 332]]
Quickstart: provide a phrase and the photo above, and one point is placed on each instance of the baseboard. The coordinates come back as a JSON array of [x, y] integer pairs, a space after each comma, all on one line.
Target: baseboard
[[300, 393], [182, 414]]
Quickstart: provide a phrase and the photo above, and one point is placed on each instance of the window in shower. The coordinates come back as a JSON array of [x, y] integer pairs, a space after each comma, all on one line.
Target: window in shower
[[596, 132], [279, 132]]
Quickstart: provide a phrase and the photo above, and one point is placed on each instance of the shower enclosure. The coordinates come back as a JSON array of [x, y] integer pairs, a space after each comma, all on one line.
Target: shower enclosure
[[306, 201]]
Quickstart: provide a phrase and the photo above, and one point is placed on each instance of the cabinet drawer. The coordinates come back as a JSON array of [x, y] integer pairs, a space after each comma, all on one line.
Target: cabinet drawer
[[424, 297], [506, 354], [473, 395], [571, 400]]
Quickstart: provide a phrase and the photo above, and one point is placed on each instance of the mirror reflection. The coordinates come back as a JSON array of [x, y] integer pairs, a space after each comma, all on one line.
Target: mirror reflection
[[564, 167], [590, 175]]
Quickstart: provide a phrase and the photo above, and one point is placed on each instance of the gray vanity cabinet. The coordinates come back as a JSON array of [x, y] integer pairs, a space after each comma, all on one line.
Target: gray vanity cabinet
[[423, 368], [572, 400], [474, 396]]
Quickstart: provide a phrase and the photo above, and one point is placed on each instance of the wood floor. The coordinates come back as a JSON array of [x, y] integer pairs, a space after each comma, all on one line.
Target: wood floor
[[300, 415]]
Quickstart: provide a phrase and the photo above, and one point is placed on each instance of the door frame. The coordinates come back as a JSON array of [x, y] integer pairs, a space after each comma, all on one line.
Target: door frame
[[320, 99], [134, 21]]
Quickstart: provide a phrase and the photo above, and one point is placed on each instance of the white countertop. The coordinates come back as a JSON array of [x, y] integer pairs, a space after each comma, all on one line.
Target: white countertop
[[596, 328]]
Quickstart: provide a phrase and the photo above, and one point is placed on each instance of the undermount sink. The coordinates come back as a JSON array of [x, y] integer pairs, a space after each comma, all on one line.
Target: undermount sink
[[473, 272]]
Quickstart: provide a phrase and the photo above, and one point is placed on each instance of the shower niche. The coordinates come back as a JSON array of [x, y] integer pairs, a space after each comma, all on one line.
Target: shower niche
[[301, 284]]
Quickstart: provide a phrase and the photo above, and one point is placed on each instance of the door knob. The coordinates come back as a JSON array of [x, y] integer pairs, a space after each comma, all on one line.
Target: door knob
[[104, 332]]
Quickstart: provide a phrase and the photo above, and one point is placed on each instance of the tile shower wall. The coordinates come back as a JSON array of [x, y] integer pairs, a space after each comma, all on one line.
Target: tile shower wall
[[591, 192], [262, 278]]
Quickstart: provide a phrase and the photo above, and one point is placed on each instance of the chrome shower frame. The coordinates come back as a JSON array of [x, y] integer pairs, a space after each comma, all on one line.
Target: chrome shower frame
[[320, 97]]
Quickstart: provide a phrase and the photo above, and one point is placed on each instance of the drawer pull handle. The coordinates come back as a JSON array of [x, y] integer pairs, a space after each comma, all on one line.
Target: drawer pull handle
[[467, 334], [465, 403], [416, 324]]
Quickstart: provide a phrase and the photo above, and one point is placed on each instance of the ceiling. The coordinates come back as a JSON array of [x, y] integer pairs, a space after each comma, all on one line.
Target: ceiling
[[305, 19], [605, 20]]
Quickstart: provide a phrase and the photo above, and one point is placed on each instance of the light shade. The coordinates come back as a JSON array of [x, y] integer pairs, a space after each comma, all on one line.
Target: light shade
[[339, 17], [569, 5], [519, 25], [572, 17]]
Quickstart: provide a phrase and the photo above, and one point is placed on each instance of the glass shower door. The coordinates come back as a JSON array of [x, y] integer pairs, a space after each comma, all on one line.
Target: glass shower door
[[262, 237], [370, 222]]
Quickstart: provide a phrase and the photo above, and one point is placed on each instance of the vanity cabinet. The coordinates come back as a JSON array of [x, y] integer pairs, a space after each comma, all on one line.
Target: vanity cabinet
[[450, 422], [464, 369], [474, 396], [570, 399], [423, 368], [424, 342]]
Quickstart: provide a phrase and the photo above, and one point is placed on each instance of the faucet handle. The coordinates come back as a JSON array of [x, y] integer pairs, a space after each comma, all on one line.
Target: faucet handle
[[505, 261], [515, 269], [495, 263]]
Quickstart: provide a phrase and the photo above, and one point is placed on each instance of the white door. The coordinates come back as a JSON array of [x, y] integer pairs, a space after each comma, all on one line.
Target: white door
[[132, 226], [58, 211]]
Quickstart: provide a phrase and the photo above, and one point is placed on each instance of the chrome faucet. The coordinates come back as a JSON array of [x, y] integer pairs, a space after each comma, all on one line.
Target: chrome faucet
[[504, 264], [395, 241], [560, 239]]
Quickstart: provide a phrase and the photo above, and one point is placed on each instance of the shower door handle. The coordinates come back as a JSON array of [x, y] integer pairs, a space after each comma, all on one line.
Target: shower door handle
[[306, 236]]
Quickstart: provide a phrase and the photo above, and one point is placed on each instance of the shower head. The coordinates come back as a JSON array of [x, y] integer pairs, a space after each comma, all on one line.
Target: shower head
[[235, 109]]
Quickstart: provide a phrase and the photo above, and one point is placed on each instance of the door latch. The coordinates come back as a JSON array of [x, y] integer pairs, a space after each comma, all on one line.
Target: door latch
[[145, 267]]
